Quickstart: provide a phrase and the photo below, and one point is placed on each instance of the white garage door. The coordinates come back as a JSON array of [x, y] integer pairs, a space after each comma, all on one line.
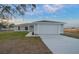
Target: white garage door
[[48, 29]]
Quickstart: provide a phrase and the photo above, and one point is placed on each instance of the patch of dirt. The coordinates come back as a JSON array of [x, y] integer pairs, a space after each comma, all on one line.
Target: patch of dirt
[[24, 46]]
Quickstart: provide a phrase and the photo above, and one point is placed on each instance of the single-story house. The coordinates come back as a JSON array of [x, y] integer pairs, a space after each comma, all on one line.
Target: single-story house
[[42, 27]]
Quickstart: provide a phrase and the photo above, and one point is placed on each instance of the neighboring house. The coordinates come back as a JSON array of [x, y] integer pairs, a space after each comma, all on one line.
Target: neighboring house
[[22, 27], [42, 27]]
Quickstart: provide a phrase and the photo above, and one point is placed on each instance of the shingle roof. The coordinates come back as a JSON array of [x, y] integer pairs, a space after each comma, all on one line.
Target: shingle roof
[[24, 24], [47, 21]]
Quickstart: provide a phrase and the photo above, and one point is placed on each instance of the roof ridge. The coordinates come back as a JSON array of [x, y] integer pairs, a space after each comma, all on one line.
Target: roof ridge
[[48, 21]]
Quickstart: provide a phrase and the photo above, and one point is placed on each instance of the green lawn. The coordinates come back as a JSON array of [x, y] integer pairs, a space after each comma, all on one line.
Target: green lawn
[[17, 43], [12, 35]]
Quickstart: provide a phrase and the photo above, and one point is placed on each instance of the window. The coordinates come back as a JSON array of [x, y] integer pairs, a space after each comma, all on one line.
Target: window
[[18, 27], [32, 26], [26, 28]]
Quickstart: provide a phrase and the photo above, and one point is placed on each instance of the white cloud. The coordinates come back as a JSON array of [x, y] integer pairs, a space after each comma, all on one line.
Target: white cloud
[[53, 8], [35, 12]]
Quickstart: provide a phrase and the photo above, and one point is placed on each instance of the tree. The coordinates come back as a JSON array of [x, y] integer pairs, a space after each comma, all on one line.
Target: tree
[[2, 26], [11, 25], [8, 11]]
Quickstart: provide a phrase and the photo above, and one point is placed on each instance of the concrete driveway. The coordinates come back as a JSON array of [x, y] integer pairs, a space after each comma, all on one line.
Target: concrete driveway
[[59, 44]]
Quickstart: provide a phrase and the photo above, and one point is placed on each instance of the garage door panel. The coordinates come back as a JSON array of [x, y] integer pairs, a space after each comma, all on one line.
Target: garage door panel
[[48, 29]]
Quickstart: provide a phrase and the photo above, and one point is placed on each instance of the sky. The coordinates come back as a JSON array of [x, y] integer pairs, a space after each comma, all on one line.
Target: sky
[[68, 13]]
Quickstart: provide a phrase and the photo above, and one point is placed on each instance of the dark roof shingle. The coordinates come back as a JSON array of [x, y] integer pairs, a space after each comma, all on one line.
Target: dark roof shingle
[[48, 21]]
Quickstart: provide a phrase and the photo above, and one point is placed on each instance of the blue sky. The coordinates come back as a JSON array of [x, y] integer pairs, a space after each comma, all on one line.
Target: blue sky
[[68, 13]]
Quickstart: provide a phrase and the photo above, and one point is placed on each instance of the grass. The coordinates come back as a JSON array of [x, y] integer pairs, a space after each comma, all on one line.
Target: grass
[[11, 35], [72, 33], [17, 43]]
